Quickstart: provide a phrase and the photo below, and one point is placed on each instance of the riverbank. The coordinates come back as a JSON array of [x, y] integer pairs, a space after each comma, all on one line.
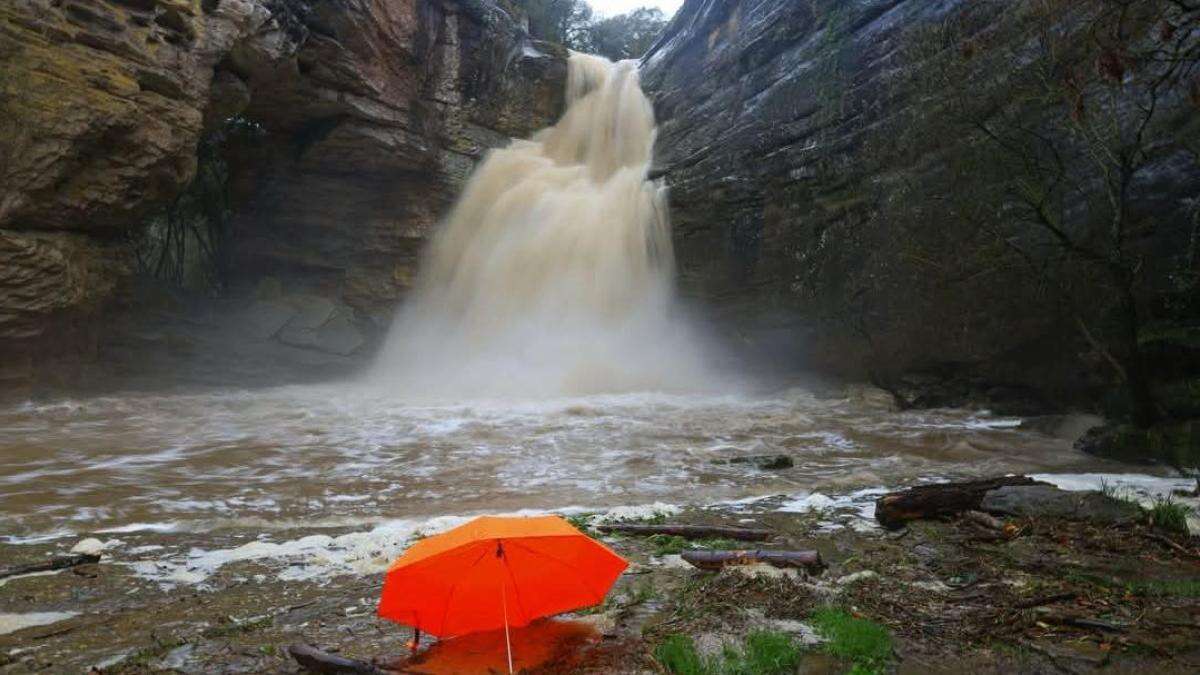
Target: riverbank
[[1044, 595]]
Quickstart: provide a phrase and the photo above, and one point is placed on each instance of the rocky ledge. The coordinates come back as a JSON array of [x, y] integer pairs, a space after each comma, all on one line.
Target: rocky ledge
[[371, 113]]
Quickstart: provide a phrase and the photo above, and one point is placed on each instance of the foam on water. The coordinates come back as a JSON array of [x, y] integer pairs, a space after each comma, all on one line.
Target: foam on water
[[11, 623], [320, 557]]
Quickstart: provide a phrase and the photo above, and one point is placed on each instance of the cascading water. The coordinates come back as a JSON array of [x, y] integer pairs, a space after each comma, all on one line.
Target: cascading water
[[553, 273]]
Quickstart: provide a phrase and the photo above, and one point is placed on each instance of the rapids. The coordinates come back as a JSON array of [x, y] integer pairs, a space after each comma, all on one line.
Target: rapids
[[328, 456]]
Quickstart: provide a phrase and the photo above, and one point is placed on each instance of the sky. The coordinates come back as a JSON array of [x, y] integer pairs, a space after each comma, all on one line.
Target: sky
[[611, 7]]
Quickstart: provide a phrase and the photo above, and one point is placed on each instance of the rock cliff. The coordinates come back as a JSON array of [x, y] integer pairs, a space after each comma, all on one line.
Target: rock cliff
[[836, 199], [371, 112]]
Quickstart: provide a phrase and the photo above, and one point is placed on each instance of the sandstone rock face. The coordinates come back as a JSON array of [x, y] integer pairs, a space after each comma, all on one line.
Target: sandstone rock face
[[372, 134], [373, 112], [821, 197]]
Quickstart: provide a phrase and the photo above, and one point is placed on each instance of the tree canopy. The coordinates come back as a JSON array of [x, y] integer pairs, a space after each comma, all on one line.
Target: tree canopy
[[574, 23]]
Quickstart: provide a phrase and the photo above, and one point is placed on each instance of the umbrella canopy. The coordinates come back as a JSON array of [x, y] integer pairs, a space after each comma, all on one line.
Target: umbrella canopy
[[497, 572]]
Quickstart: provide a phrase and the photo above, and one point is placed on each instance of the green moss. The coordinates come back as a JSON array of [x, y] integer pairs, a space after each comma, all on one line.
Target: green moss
[[865, 643]]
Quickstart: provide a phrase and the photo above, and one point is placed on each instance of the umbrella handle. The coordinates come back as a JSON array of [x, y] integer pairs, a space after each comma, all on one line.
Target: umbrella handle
[[507, 643]]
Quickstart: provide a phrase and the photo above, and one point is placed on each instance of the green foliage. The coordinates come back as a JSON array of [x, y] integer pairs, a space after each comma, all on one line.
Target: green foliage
[[557, 20], [764, 653], [582, 522], [867, 644], [665, 544], [1169, 515], [625, 36], [185, 244], [573, 23]]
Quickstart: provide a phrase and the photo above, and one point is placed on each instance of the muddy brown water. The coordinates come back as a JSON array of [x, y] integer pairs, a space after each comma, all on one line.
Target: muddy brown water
[[339, 455]]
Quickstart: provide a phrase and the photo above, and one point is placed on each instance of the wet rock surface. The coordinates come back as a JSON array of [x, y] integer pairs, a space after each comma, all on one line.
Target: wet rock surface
[[373, 112], [1047, 501], [1175, 444], [825, 203]]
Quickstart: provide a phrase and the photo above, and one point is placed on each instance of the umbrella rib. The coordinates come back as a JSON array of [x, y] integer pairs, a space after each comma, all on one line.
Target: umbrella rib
[[454, 588], [577, 578], [516, 588]]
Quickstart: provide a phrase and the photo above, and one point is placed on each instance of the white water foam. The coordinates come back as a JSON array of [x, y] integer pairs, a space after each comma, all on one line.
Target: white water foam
[[11, 623]]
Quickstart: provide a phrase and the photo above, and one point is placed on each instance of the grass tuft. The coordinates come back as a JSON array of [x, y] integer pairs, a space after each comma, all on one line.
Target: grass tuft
[[1169, 515], [677, 654], [1179, 588], [867, 644], [1116, 493], [666, 544], [763, 653]]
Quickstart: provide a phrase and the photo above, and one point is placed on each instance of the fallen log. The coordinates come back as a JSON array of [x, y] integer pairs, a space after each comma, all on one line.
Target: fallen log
[[941, 500], [690, 531], [715, 560], [59, 563], [316, 661]]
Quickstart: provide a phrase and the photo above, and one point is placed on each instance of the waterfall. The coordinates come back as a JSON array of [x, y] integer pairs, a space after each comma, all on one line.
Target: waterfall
[[553, 274]]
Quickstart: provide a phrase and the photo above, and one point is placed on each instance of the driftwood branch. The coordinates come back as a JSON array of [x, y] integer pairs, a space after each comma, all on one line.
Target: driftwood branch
[[314, 660], [690, 531], [942, 500], [984, 520], [59, 563], [715, 560]]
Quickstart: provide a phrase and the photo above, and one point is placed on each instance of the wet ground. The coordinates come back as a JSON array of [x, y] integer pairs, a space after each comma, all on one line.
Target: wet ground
[[1051, 596]]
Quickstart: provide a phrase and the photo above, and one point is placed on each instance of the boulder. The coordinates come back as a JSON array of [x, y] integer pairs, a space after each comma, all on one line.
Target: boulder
[[265, 318], [1174, 443], [1066, 427], [312, 311], [1047, 501]]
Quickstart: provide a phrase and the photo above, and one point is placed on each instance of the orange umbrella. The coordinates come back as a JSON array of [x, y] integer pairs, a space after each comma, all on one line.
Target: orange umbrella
[[497, 572]]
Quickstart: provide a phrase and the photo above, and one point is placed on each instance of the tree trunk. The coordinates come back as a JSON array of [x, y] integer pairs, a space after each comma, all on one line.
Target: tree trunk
[[1144, 410]]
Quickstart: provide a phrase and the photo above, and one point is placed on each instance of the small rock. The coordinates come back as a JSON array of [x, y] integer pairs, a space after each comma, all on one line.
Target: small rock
[[764, 462], [802, 632], [765, 571], [89, 546], [857, 577]]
